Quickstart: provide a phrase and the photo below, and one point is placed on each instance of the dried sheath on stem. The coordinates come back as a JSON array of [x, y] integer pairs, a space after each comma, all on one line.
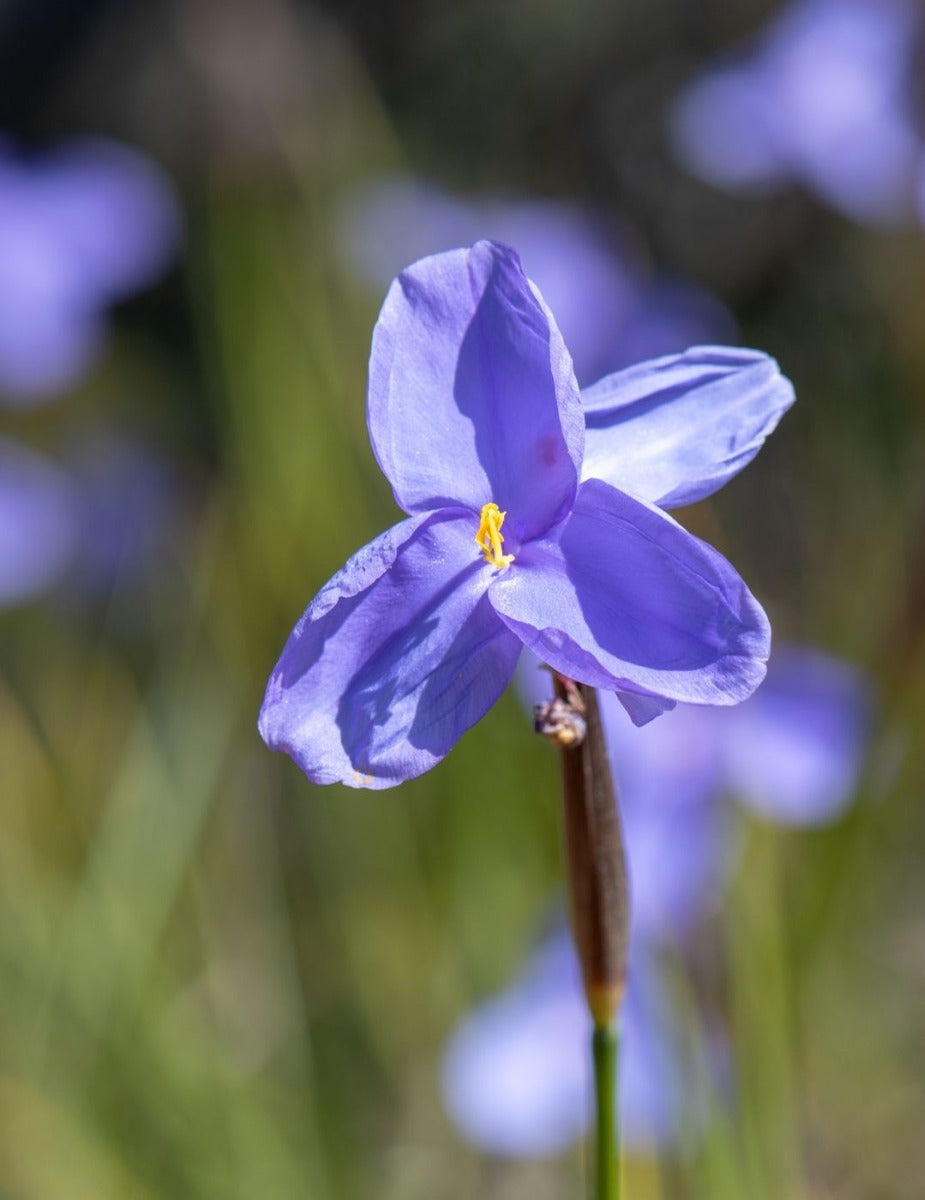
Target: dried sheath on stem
[[596, 866]]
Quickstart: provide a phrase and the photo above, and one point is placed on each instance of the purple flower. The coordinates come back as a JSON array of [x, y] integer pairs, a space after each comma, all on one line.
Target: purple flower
[[610, 312], [824, 98], [794, 752], [38, 525], [129, 509], [516, 1077], [475, 418], [80, 228]]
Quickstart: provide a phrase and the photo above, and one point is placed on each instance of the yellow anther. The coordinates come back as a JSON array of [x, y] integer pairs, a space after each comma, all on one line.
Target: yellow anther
[[489, 539]]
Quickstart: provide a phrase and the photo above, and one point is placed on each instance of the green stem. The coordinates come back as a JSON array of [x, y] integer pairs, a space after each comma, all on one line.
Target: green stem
[[605, 1045]]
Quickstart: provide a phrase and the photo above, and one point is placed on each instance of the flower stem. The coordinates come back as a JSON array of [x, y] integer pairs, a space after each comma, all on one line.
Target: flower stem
[[605, 1046], [598, 891]]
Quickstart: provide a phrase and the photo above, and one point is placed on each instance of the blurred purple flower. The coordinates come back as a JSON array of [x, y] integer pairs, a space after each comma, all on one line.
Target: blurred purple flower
[[80, 227], [795, 751], [476, 419], [610, 312], [824, 97], [128, 503], [516, 1077], [38, 524]]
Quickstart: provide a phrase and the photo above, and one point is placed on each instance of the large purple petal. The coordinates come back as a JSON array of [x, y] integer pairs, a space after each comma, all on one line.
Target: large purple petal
[[629, 601], [393, 660], [472, 397], [794, 751], [674, 430]]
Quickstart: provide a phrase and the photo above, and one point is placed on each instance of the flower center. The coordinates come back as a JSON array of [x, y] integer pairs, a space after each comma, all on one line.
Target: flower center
[[489, 539]]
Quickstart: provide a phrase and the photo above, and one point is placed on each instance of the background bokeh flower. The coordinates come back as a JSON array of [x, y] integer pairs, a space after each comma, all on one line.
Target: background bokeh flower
[[38, 523], [81, 226], [826, 98]]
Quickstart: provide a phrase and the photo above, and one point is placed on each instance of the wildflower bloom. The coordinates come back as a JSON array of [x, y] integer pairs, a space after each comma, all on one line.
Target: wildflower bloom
[[475, 418], [825, 97], [80, 228]]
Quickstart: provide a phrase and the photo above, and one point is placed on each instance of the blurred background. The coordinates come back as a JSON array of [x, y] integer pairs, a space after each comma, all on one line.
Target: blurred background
[[217, 980]]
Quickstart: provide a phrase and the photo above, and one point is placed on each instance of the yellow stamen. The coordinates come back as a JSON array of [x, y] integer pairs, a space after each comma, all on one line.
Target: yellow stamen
[[489, 538]]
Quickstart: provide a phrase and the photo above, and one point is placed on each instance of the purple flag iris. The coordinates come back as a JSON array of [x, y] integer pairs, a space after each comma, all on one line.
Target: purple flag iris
[[515, 1076], [825, 97], [80, 228], [610, 310], [476, 419]]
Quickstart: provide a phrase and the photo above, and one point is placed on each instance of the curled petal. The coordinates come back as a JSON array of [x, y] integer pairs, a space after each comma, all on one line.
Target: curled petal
[[472, 396], [629, 601], [674, 430], [393, 660]]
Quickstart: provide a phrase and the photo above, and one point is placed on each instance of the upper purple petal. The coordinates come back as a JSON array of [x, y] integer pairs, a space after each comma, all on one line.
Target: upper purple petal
[[629, 601], [472, 396], [674, 430], [394, 659]]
